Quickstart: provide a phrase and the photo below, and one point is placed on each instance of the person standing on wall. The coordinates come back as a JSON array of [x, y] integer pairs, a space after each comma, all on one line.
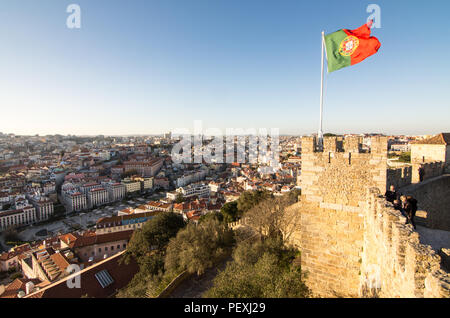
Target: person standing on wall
[[421, 173], [409, 207]]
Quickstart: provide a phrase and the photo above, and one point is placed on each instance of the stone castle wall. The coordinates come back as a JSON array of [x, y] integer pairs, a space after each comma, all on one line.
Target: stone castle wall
[[431, 170], [399, 177], [433, 197], [339, 233], [394, 262], [403, 176]]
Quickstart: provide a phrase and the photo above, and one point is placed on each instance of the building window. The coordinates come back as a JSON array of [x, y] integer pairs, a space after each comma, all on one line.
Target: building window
[[100, 250], [118, 247]]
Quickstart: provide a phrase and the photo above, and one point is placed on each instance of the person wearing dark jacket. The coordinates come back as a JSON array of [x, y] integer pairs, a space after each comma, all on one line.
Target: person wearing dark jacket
[[397, 205], [421, 173], [391, 194], [409, 207]]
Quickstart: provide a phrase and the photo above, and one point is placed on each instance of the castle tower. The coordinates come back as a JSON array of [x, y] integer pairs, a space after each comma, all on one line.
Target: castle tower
[[334, 185]]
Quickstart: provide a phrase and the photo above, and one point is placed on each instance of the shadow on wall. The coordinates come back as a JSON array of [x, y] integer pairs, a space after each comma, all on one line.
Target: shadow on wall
[[433, 196]]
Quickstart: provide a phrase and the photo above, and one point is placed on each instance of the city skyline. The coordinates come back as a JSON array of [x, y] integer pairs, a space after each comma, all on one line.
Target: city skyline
[[149, 67]]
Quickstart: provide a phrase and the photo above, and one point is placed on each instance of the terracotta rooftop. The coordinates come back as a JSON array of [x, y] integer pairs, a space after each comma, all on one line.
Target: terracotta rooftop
[[440, 139], [92, 238], [92, 280], [17, 285]]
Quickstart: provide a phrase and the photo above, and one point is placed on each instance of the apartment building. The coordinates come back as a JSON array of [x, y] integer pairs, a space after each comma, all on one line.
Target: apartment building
[[49, 187], [116, 191], [197, 189], [131, 185], [123, 222], [191, 177], [92, 247], [46, 263], [87, 187], [146, 168], [97, 197], [147, 184], [159, 206], [17, 217], [75, 201], [43, 206], [214, 187]]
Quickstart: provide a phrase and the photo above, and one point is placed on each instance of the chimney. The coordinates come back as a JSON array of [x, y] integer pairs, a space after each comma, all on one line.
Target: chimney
[[29, 287]]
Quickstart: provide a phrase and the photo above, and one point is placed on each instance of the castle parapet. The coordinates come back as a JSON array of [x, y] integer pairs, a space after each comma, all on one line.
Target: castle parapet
[[348, 144], [394, 262], [430, 170]]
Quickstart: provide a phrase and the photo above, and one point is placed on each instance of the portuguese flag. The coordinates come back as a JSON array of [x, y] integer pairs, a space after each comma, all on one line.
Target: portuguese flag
[[349, 47]]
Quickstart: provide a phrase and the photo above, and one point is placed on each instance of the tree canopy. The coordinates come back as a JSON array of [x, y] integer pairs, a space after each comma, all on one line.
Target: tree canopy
[[260, 269], [230, 211], [179, 198], [198, 247], [195, 248], [155, 234], [249, 199]]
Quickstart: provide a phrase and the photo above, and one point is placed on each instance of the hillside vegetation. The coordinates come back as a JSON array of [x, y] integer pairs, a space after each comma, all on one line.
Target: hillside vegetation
[[261, 265]]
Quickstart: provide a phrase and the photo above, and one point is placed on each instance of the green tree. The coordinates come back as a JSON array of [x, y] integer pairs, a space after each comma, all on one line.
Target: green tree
[[155, 234], [212, 215], [260, 269], [179, 198], [292, 196], [249, 199], [147, 247], [274, 217], [198, 247], [405, 157], [151, 268], [230, 211]]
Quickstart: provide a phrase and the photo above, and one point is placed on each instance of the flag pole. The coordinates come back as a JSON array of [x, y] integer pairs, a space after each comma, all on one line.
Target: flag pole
[[320, 134]]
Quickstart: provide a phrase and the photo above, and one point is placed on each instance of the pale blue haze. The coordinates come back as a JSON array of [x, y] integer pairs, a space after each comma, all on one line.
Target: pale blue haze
[[148, 66]]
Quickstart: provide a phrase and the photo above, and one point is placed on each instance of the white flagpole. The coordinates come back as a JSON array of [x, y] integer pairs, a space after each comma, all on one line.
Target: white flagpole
[[320, 134]]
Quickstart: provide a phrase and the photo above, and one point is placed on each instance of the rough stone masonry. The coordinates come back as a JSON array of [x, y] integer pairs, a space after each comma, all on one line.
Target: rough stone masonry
[[352, 242]]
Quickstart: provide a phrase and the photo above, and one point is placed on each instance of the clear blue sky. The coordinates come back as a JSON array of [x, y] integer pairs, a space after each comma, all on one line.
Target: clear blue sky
[[148, 66]]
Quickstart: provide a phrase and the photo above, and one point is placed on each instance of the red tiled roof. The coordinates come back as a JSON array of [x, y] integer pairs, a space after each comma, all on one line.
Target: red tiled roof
[[92, 238], [60, 261], [97, 189], [120, 273], [18, 284], [440, 139]]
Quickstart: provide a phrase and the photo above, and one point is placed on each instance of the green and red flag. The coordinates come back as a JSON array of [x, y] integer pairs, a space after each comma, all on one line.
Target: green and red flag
[[349, 47]]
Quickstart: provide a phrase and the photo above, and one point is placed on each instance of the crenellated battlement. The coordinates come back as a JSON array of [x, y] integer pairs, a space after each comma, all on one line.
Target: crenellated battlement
[[430, 169], [349, 144], [399, 177], [404, 176], [342, 169]]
